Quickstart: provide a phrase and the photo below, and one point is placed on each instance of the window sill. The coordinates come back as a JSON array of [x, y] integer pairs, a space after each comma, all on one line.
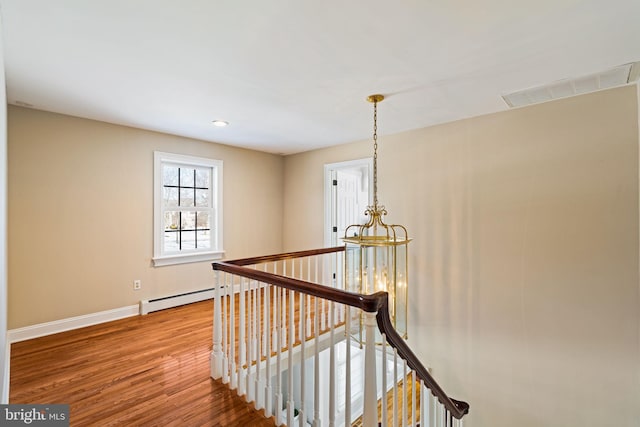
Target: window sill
[[161, 261]]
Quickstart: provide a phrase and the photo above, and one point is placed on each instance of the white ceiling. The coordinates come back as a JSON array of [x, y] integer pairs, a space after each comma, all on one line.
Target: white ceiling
[[293, 75]]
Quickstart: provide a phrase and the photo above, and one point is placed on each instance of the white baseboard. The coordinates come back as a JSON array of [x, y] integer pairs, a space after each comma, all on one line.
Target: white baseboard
[[149, 306], [48, 328]]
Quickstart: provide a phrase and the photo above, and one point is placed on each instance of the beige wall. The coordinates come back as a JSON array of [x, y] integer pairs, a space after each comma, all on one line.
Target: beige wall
[[81, 214], [524, 292]]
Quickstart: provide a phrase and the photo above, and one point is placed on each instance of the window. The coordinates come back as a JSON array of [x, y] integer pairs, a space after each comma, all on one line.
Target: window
[[187, 209]]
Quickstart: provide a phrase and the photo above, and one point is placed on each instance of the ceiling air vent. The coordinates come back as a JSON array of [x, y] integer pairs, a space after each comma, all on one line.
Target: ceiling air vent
[[617, 76]]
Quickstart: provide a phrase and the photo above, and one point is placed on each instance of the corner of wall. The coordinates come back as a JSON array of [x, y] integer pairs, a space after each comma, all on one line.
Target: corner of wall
[[4, 345], [638, 241]]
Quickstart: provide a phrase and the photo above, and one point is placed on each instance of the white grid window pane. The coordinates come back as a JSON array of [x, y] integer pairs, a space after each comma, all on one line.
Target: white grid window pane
[[187, 199]]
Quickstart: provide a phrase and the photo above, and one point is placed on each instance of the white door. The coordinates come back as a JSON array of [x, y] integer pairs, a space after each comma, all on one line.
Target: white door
[[347, 194]]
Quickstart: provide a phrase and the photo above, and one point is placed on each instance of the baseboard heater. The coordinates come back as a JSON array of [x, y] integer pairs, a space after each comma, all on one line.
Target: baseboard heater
[[149, 306]]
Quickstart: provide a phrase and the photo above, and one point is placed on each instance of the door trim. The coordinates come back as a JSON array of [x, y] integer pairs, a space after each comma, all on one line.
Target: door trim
[[329, 169]]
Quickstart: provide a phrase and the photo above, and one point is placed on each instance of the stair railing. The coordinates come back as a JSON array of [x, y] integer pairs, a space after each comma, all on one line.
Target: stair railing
[[276, 317]]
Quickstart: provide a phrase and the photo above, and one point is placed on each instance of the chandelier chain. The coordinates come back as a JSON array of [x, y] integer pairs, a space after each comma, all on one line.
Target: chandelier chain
[[375, 154]]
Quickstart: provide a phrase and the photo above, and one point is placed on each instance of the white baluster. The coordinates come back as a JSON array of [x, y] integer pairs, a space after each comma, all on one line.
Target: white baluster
[[309, 317], [248, 388], [290, 401], [257, 395], [283, 329], [267, 345], [292, 331], [347, 383], [338, 284], [316, 363], [300, 297], [232, 338], [323, 322], [266, 313], [413, 398], [309, 300], [334, 283], [275, 323], [424, 416], [435, 409], [278, 343], [370, 415], [303, 365], [332, 371], [395, 387], [323, 315], [242, 350], [385, 411], [225, 331], [216, 353], [256, 321], [405, 403]]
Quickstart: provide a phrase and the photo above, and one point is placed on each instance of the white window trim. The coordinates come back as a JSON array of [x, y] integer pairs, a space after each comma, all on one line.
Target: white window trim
[[161, 259]]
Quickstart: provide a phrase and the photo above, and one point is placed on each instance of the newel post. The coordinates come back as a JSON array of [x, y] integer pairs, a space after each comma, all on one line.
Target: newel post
[[216, 353], [370, 415]]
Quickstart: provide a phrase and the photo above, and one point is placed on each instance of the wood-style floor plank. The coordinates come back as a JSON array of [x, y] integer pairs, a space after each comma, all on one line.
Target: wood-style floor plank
[[399, 402], [148, 370]]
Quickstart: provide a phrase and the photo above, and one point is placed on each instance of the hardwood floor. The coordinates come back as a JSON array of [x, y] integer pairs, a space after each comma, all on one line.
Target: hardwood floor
[[399, 403], [148, 370]]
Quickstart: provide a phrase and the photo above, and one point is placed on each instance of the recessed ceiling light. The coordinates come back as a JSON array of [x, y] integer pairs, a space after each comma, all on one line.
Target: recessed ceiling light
[[220, 123]]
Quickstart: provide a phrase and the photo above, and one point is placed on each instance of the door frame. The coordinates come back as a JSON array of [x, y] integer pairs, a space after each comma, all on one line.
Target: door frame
[[329, 195]]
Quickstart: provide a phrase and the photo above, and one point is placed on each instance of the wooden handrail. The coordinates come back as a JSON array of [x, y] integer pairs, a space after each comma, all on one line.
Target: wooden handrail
[[456, 408], [285, 256], [377, 302], [369, 303]]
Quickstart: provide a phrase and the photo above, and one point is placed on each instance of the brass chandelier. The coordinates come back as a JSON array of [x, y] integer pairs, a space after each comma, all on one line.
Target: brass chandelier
[[376, 255]]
